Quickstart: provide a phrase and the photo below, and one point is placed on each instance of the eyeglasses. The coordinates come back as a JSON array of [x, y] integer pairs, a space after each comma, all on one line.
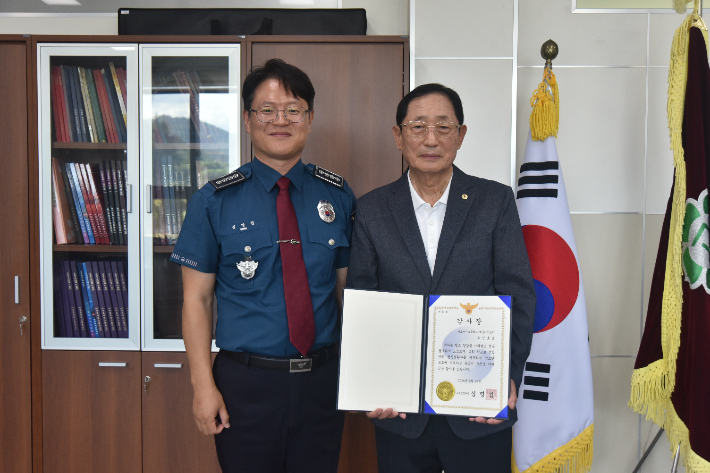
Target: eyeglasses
[[268, 114], [418, 128]]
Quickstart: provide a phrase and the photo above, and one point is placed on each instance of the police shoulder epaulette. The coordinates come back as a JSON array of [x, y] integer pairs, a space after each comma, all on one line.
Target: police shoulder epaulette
[[329, 177], [234, 177]]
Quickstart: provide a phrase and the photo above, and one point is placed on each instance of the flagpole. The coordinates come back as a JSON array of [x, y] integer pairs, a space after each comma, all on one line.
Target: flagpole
[[647, 452], [675, 461]]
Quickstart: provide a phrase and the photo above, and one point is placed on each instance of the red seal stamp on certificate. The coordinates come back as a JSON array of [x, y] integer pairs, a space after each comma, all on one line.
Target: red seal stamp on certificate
[[491, 394]]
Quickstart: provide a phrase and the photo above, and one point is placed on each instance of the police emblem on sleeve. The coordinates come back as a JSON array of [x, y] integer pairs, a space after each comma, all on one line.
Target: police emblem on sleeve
[[247, 267], [696, 242], [326, 211]]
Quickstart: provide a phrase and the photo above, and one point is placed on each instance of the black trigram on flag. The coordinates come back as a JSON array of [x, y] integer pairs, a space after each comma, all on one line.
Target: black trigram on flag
[[538, 185], [537, 381]]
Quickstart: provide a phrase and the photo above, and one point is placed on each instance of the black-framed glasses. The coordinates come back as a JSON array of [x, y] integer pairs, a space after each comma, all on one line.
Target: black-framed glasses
[[418, 128], [267, 114]]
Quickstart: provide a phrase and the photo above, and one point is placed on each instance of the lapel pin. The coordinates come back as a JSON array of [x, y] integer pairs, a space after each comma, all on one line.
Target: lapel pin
[[464, 196]]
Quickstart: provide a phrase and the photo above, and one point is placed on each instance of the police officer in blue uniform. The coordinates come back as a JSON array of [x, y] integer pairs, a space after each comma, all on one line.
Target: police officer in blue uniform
[[270, 404]]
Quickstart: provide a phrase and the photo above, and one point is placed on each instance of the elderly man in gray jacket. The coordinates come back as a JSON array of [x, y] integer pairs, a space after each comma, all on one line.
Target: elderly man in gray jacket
[[437, 230]]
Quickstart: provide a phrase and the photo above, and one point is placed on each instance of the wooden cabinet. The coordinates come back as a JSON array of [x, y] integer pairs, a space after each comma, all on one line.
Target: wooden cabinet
[[358, 453], [358, 87], [125, 404], [92, 411], [15, 388], [171, 441]]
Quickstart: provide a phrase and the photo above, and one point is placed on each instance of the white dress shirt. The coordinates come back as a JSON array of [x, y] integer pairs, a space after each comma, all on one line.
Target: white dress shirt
[[430, 220]]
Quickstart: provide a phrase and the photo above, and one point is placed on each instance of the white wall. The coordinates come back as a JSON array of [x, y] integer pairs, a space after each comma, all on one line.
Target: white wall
[[90, 25], [614, 151]]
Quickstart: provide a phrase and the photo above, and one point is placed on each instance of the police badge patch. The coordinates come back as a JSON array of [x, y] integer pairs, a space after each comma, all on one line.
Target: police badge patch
[[326, 211], [247, 268]]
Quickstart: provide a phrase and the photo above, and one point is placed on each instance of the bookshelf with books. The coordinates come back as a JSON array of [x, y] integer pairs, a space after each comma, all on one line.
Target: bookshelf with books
[[183, 102], [88, 170], [189, 135]]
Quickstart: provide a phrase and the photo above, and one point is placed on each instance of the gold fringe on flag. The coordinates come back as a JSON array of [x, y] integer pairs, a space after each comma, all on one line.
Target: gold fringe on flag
[[573, 457], [545, 117], [653, 385], [678, 435]]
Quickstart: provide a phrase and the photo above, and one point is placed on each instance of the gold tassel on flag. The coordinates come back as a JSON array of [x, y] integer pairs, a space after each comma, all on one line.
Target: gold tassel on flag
[[680, 5], [545, 117], [545, 102]]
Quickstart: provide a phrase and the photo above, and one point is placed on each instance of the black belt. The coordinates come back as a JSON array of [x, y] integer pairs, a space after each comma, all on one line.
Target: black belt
[[294, 365]]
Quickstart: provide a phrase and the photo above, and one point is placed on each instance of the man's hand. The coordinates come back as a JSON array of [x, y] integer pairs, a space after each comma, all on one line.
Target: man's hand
[[512, 400], [206, 405], [388, 413]]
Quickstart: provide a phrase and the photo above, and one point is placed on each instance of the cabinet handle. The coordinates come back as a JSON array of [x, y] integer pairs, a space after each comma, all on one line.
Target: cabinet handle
[[168, 365], [146, 380], [22, 321], [17, 289], [129, 198], [148, 198], [112, 364]]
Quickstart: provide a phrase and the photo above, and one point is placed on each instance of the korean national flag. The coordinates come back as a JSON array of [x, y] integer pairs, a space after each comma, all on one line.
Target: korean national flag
[[555, 426]]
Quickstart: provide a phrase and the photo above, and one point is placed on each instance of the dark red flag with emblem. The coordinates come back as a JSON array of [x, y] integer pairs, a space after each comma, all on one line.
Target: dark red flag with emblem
[[670, 382]]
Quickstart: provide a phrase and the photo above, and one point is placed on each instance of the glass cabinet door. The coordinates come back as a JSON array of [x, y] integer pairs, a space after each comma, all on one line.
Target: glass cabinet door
[[88, 164], [190, 130]]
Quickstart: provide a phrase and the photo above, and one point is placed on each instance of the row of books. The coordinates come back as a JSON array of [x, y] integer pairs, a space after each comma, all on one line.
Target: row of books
[[89, 203], [186, 82], [89, 105], [91, 299], [172, 191]]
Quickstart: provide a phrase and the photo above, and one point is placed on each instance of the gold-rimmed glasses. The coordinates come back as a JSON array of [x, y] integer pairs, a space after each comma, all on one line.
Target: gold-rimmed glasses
[[418, 128]]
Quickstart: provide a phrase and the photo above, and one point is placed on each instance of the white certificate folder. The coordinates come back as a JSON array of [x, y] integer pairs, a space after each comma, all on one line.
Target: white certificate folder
[[425, 354]]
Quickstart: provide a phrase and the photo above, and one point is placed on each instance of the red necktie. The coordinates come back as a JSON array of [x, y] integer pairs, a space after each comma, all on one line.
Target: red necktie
[[299, 308]]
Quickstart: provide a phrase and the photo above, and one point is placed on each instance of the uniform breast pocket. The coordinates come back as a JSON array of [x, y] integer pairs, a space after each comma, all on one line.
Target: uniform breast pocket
[[323, 241], [256, 244]]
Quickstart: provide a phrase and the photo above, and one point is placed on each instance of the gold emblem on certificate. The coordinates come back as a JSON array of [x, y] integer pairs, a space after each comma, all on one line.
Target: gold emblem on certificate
[[445, 391], [326, 211], [247, 267]]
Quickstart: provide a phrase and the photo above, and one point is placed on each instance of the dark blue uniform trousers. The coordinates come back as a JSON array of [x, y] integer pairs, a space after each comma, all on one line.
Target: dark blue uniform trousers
[[439, 448], [280, 422]]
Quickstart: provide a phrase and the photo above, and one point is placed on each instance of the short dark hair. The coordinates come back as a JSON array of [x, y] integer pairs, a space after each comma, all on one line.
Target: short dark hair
[[428, 89], [295, 81]]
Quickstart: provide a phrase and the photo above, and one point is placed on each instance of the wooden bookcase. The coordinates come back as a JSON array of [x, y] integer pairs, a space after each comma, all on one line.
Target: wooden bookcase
[[132, 402], [16, 395]]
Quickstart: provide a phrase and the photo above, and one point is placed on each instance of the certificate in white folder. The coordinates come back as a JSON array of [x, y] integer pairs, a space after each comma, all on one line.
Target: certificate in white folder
[[425, 354]]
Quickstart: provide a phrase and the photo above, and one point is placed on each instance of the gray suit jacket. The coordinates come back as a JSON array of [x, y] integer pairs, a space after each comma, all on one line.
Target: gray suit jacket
[[481, 252]]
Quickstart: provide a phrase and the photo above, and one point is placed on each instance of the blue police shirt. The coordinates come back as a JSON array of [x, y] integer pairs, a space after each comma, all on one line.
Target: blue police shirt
[[223, 227]]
